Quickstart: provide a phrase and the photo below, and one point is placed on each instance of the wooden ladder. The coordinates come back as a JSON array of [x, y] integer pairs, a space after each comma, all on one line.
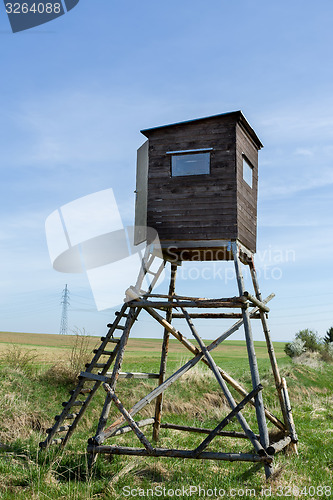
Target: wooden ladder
[[81, 396]]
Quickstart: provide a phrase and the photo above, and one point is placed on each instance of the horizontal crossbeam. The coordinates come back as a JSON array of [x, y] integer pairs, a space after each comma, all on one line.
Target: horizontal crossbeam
[[166, 452]]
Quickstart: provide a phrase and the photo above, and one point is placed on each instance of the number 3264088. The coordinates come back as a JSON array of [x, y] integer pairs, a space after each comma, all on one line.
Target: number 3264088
[[35, 8]]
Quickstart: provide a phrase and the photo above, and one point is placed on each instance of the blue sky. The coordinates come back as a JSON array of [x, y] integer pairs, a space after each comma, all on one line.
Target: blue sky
[[75, 93]]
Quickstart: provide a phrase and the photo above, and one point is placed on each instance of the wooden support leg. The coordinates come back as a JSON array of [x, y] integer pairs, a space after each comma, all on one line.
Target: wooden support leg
[[195, 350], [259, 404], [165, 349], [290, 420], [278, 381], [257, 445]]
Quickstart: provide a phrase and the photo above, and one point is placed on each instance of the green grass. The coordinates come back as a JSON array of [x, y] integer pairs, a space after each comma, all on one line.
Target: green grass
[[32, 393]]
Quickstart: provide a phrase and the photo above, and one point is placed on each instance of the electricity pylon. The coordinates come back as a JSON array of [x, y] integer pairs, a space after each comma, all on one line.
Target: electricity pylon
[[64, 314]]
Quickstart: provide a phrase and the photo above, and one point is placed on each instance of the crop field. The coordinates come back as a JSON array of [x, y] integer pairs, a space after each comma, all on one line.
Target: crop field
[[38, 371]]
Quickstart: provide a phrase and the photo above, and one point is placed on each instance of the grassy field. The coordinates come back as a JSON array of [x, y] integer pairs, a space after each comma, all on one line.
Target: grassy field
[[37, 372]]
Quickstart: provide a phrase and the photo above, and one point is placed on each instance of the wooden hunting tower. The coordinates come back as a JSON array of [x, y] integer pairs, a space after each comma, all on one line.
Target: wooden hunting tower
[[197, 187], [197, 184]]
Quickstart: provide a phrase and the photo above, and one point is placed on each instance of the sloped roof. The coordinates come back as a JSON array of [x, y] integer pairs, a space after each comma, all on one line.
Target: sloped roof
[[237, 115]]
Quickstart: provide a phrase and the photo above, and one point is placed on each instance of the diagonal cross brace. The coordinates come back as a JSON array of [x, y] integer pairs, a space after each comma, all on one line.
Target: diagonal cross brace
[[104, 434], [214, 344], [99, 438], [129, 419], [257, 445], [226, 421]]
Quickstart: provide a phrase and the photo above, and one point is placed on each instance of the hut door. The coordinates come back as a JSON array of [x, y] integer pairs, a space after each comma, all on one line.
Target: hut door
[[140, 232]]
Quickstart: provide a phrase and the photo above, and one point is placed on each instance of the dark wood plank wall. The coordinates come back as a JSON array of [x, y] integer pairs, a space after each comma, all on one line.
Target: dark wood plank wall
[[199, 207], [246, 196]]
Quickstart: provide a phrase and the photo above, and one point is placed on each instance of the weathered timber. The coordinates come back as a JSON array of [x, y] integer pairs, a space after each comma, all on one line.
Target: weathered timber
[[209, 303], [279, 445], [256, 302], [164, 355], [215, 316], [111, 340], [269, 343], [137, 375], [132, 315], [127, 428], [200, 430], [226, 420], [166, 452], [116, 368], [60, 429], [94, 376], [60, 418], [56, 441], [259, 404], [75, 403], [76, 417], [234, 407], [227, 139], [129, 419], [98, 439], [224, 374], [290, 419]]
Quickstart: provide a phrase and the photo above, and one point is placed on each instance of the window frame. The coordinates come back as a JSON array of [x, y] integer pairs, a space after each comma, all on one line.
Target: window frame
[[249, 168], [189, 152]]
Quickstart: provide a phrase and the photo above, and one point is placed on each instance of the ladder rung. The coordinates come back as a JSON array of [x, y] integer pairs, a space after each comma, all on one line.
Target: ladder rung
[[96, 365], [61, 429], [119, 327], [105, 353], [117, 313], [76, 403], [93, 376], [123, 316], [57, 441], [82, 391], [151, 272], [114, 341], [70, 416]]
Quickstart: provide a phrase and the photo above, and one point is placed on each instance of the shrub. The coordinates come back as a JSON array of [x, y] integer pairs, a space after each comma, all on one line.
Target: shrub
[[312, 341], [67, 371], [327, 353], [330, 348], [16, 357], [328, 339], [295, 348]]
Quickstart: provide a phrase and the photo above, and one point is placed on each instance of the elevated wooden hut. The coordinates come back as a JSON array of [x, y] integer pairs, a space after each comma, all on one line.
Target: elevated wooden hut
[[197, 186]]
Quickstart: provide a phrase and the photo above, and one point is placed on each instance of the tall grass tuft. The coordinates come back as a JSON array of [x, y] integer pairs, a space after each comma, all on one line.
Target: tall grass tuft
[[67, 371]]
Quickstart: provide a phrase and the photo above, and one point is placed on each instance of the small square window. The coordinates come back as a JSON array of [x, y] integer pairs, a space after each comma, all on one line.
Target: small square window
[[247, 172], [190, 164]]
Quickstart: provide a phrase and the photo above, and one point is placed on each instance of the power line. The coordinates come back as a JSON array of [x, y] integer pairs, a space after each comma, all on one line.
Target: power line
[[64, 315]]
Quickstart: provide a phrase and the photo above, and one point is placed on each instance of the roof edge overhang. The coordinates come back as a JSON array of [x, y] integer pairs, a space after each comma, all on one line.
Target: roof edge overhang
[[237, 115]]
